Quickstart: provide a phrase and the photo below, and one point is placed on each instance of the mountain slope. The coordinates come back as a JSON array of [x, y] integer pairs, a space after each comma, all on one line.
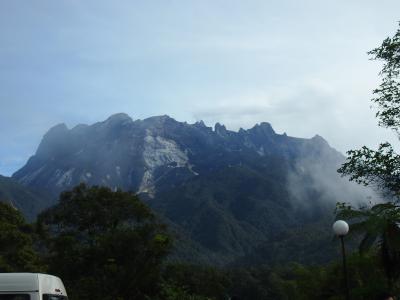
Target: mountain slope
[[137, 155], [227, 193], [30, 202]]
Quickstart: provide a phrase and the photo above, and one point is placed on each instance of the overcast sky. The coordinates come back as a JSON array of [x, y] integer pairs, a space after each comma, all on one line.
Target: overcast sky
[[300, 65]]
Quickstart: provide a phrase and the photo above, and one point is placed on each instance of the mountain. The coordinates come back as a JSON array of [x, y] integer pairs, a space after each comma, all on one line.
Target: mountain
[[28, 200], [154, 154], [226, 193]]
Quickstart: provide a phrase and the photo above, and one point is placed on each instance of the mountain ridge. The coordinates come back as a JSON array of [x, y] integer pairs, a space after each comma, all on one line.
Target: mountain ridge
[[227, 192], [155, 132]]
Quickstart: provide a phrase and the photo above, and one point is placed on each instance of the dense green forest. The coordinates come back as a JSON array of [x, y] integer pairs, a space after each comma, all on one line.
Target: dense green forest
[[108, 244]]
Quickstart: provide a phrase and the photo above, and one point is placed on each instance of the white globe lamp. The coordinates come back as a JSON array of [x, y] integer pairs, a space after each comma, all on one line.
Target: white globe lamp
[[340, 228]]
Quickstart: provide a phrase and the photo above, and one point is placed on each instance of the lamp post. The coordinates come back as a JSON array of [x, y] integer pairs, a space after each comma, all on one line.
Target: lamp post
[[341, 228]]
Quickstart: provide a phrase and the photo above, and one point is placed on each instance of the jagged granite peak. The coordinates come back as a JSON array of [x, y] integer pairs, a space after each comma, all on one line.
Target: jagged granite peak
[[319, 139], [264, 128], [159, 119], [57, 129], [163, 126], [219, 127], [115, 121], [221, 130], [119, 117], [200, 124], [148, 155], [228, 191], [54, 139]]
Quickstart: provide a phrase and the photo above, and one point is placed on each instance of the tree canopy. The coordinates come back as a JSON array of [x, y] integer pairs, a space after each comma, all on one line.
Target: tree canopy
[[381, 233], [17, 253], [104, 244], [381, 167]]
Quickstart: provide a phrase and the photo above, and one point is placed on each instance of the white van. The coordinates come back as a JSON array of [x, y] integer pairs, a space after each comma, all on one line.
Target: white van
[[31, 286]]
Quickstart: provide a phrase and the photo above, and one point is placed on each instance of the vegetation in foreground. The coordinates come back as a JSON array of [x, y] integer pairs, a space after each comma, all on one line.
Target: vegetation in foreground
[[109, 245]]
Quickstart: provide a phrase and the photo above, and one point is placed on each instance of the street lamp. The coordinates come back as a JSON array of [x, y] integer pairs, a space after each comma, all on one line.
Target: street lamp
[[341, 228]]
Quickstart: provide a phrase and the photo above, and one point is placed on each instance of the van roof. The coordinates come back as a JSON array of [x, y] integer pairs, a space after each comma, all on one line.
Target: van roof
[[27, 282], [22, 282]]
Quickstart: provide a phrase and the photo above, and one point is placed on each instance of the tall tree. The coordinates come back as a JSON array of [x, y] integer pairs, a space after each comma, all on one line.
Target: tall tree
[[104, 244], [380, 168]]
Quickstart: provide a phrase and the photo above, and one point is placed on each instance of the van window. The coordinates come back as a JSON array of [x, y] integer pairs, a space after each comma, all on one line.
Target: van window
[[53, 297], [15, 297]]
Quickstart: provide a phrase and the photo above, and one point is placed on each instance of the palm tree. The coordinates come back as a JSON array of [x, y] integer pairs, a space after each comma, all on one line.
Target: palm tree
[[379, 226]]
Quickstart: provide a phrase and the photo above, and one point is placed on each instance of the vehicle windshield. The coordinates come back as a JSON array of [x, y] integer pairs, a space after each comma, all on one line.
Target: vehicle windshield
[[15, 297]]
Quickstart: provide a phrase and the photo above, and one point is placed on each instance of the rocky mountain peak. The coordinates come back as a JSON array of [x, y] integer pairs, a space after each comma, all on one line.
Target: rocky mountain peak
[[197, 177], [220, 129], [158, 119], [57, 129], [200, 124], [264, 128], [119, 118], [140, 155], [55, 138], [319, 140]]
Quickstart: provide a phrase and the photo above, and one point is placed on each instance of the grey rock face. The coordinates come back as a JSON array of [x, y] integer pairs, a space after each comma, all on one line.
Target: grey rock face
[[136, 155], [227, 191]]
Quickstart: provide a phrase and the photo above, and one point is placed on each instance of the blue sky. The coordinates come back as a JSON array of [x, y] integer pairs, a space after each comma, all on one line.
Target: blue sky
[[300, 65]]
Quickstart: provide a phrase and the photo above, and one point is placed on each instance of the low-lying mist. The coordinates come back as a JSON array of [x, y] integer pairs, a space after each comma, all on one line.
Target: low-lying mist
[[315, 183]]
